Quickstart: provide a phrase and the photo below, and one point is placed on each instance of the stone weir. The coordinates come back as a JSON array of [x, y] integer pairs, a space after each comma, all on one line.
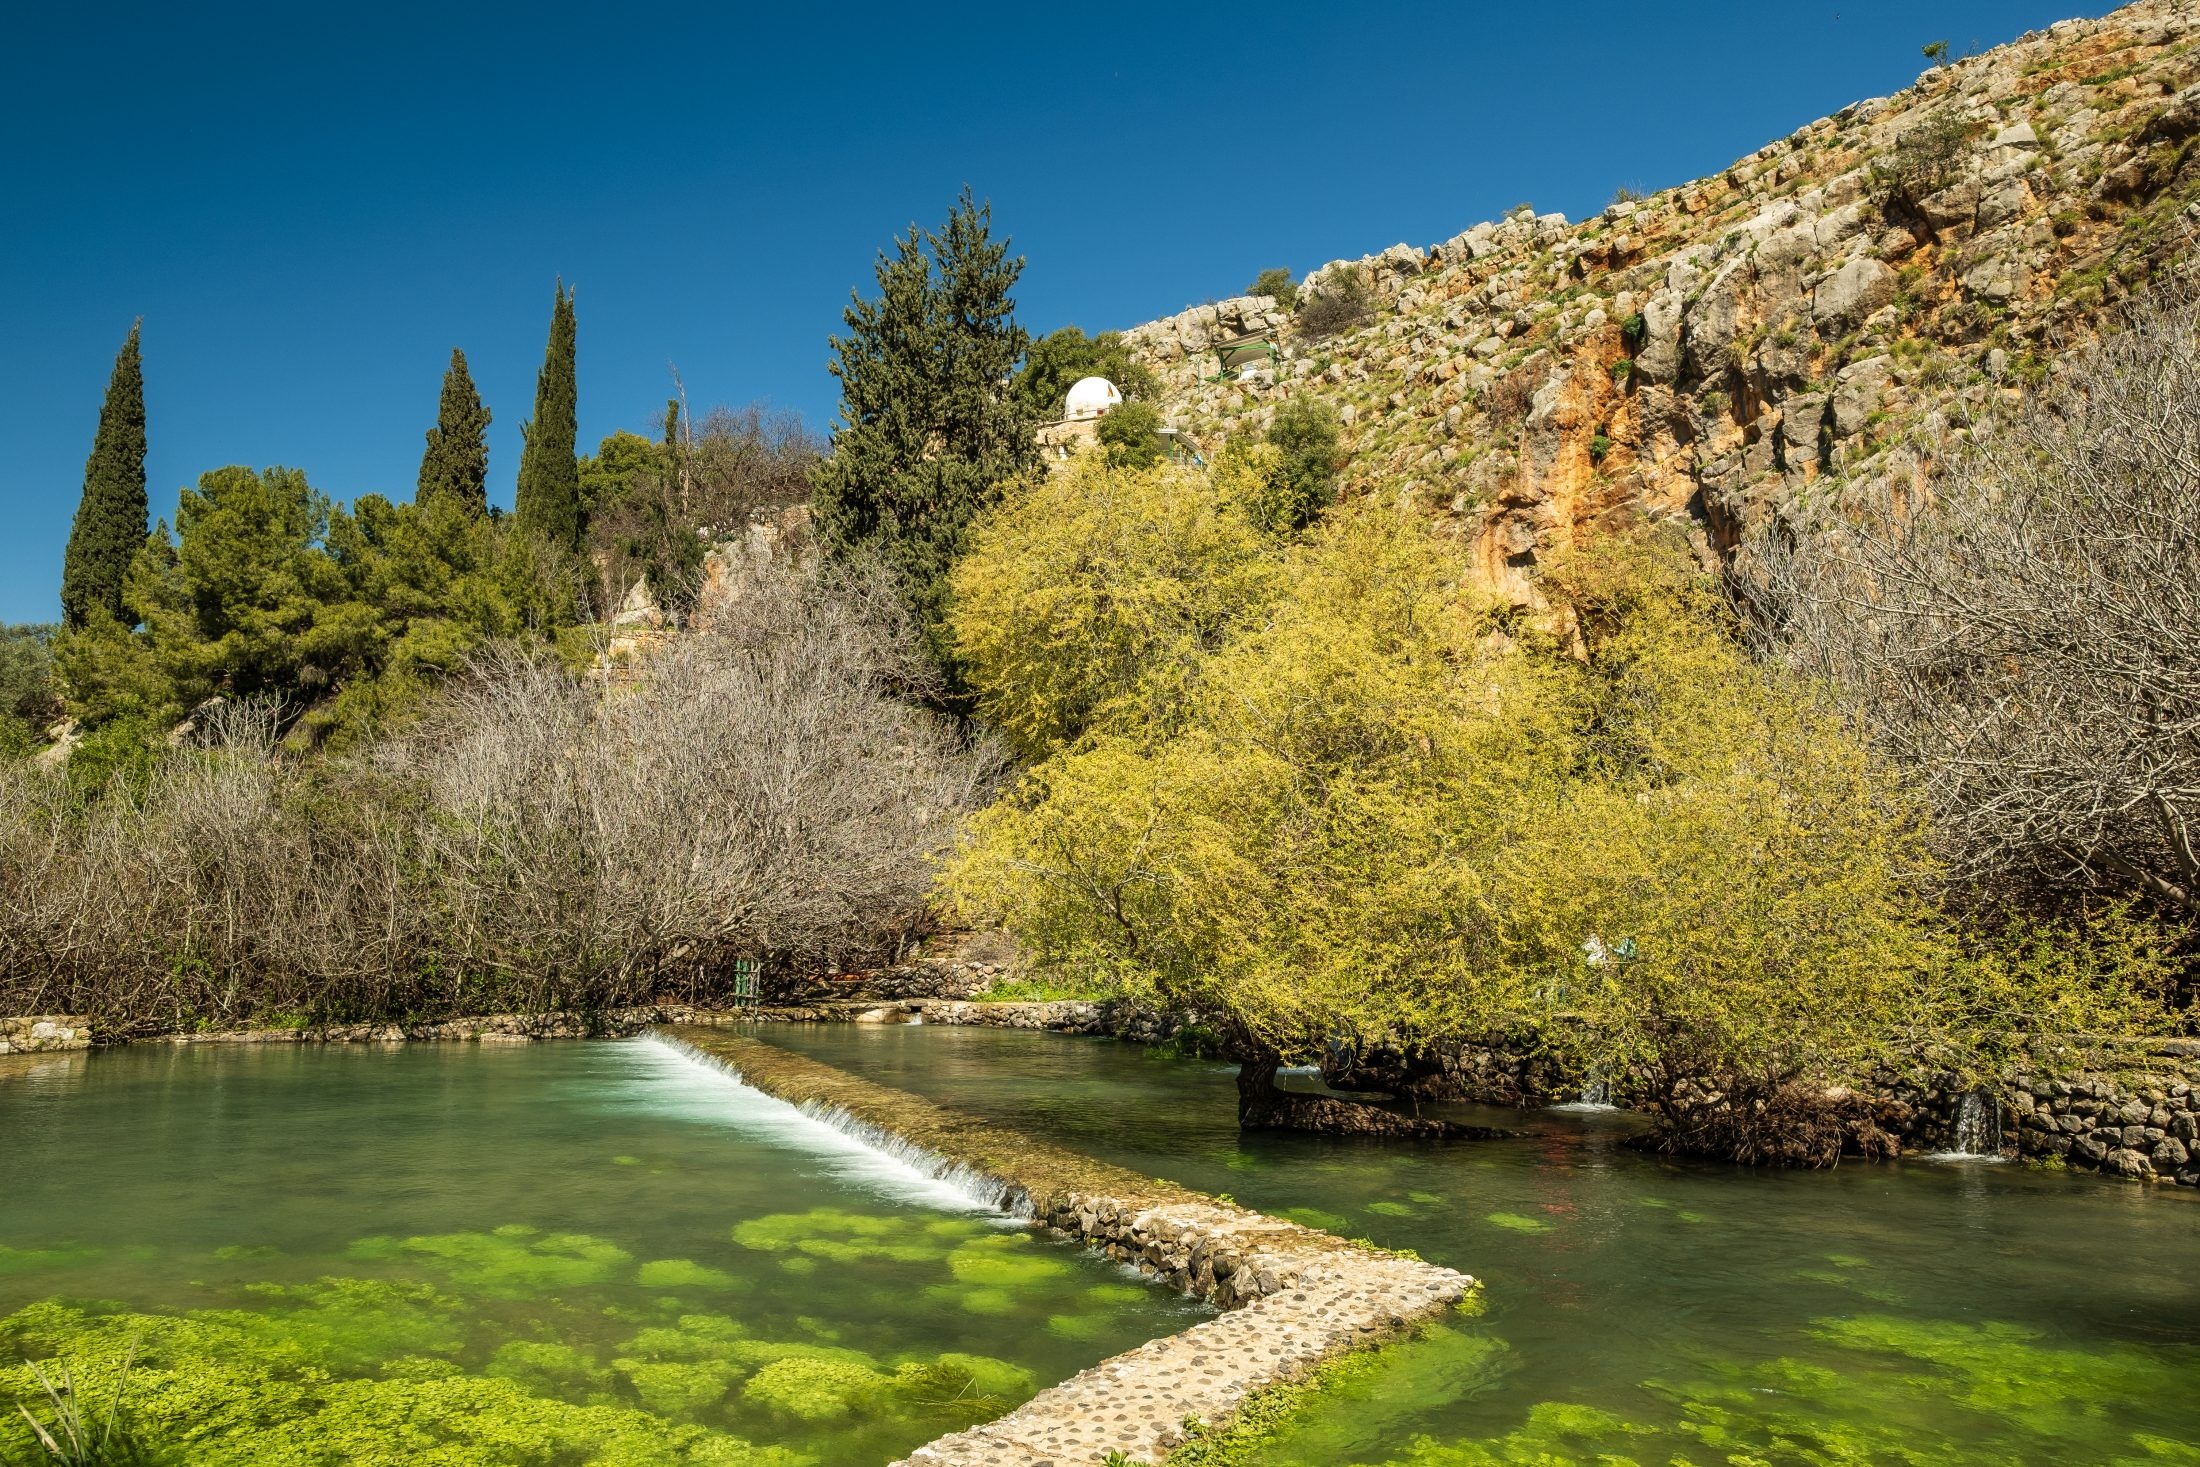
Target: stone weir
[[1291, 1296]]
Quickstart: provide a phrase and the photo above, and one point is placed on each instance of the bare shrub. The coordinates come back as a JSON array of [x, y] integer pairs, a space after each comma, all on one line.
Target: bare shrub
[[2023, 633], [1338, 302], [758, 794], [743, 463], [540, 841]]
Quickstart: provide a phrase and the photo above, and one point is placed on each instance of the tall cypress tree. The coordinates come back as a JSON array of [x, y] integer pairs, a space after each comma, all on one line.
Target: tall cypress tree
[[457, 459], [110, 517], [549, 499], [928, 435]]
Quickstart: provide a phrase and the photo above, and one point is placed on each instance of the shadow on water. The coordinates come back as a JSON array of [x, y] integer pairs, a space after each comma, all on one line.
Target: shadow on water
[[1647, 1309]]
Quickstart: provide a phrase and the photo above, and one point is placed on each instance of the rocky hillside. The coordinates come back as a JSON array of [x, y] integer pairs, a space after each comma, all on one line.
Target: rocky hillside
[[1709, 351]]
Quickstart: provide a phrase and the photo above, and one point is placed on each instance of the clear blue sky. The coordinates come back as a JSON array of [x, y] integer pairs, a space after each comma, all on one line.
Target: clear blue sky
[[311, 204]]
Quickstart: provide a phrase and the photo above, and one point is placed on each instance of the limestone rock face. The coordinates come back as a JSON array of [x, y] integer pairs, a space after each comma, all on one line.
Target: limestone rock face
[[1876, 277]]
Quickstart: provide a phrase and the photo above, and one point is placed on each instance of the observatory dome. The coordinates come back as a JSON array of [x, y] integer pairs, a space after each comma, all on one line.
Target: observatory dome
[[1091, 397]]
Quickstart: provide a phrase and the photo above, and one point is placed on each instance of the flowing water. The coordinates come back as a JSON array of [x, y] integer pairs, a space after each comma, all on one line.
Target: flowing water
[[543, 1254], [1645, 1311]]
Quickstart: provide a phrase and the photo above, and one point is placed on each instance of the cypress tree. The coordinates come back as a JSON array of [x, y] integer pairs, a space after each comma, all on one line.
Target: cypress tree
[[110, 523], [929, 434], [457, 459], [549, 498]]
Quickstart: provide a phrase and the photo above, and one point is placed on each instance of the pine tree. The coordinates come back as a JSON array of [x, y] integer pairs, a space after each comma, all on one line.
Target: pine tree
[[110, 523], [549, 499], [457, 459], [929, 435]]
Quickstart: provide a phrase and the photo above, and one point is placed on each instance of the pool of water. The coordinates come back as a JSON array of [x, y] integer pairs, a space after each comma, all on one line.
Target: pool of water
[[1640, 1310], [546, 1254]]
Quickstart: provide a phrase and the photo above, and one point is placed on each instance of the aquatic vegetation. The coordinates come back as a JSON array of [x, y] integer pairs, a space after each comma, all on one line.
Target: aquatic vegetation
[[685, 1273], [1115, 1294], [489, 1368], [551, 1368], [348, 1323], [1350, 1406], [514, 1259], [69, 1436], [980, 1373], [1556, 1433], [211, 1393], [39, 1260], [1005, 1261], [840, 1236], [1390, 1209], [1314, 1217], [816, 1389], [1882, 1394], [1517, 1222]]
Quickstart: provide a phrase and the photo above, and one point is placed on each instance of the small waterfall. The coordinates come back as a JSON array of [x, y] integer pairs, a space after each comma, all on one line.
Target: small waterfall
[[1978, 1125], [1596, 1093], [987, 1192]]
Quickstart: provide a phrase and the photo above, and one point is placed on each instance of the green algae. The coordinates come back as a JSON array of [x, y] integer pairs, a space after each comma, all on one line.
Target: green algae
[[1347, 1404], [1314, 1217], [1004, 1261], [1390, 1209], [686, 1273], [514, 1260], [369, 1370], [1880, 1395], [1517, 1222], [42, 1260], [813, 1389], [839, 1236]]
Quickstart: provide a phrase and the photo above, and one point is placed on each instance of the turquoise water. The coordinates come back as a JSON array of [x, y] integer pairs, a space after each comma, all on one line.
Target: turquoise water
[[1639, 1310], [558, 1253]]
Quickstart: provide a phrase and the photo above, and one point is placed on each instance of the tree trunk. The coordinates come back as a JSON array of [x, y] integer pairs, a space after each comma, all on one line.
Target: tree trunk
[[1262, 1106]]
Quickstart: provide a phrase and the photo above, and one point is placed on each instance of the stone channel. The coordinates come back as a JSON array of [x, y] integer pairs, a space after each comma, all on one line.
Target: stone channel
[[1291, 1296]]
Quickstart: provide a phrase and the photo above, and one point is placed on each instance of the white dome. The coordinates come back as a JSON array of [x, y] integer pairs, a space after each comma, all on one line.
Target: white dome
[[1091, 397]]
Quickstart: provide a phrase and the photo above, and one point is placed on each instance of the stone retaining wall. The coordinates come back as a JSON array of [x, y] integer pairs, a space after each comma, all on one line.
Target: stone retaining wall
[[1294, 1296], [2141, 1121], [43, 1034]]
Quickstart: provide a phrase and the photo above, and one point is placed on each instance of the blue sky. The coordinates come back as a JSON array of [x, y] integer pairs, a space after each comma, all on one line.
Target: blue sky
[[310, 205]]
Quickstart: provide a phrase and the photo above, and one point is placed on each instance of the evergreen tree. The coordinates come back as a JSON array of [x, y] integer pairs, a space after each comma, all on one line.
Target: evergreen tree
[[457, 460], [928, 434], [549, 501], [110, 517]]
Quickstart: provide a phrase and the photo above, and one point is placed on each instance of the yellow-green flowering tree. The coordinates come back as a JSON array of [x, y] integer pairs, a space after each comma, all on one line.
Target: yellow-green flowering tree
[[1381, 811], [1091, 601]]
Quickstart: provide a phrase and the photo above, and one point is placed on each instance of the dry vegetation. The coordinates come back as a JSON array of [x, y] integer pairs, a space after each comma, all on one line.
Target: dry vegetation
[[2024, 639], [538, 842]]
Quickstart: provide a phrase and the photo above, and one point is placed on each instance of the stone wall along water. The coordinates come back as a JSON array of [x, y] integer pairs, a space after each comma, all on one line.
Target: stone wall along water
[[1293, 1296]]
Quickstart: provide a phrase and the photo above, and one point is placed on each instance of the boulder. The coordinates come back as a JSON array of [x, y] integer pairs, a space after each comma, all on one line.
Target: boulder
[[1853, 292]]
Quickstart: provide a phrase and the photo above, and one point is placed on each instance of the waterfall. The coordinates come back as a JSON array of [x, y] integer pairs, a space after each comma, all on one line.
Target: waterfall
[[1596, 1093], [879, 1157], [1978, 1125]]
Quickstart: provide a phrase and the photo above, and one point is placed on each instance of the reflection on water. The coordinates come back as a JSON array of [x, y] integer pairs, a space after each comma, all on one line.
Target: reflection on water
[[537, 1254], [1641, 1309]]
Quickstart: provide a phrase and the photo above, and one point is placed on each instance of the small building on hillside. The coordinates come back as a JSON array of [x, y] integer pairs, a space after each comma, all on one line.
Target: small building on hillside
[[1090, 399]]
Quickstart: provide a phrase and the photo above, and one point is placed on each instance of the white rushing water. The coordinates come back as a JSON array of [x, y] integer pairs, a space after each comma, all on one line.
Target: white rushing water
[[672, 1079], [1596, 1095], [1978, 1130]]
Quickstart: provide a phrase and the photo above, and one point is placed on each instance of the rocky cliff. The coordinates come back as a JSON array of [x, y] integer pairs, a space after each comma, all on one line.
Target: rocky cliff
[[1867, 284]]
